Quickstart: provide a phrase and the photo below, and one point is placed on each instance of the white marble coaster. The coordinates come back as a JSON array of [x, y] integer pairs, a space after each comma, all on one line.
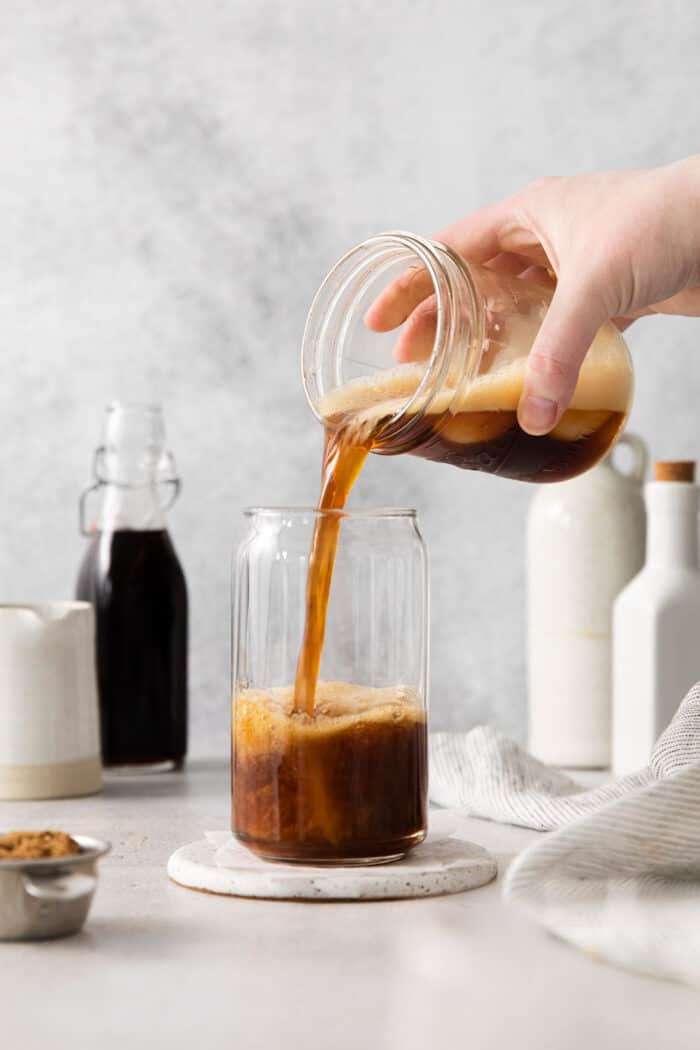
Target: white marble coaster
[[444, 863]]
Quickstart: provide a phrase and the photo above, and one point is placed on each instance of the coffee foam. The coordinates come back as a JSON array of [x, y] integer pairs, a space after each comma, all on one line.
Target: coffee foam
[[266, 717], [604, 384]]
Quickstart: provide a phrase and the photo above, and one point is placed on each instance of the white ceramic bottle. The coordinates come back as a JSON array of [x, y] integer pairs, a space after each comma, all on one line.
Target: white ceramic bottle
[[657, 620], [585, 541]]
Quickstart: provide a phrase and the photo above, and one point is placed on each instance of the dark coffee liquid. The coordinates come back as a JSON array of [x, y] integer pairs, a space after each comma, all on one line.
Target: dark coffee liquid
[[135, 582], [349, 784], [494, 442]]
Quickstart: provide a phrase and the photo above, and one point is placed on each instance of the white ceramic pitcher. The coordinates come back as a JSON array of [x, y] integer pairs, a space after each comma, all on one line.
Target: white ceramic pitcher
[[49, 722], [585, 542]]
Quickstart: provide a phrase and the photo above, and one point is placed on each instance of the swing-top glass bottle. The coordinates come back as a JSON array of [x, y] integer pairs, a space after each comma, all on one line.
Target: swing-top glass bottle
[[133, 577]]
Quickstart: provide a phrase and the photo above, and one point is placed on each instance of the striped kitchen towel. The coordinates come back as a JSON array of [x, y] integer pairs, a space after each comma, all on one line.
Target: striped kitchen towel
[[620, 877]]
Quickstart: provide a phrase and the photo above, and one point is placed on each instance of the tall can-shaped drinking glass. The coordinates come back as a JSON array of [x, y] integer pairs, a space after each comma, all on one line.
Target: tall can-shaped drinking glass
[[347, 782]]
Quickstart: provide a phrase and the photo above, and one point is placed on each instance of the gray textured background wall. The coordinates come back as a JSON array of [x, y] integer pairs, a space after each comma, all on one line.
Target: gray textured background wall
[[175, 180]]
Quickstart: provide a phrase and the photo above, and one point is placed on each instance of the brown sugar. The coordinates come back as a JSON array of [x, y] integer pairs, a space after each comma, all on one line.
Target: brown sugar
[[35, 845]]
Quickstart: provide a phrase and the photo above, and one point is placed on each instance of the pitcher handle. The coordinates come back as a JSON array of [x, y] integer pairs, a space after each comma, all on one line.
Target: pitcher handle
[[640, 454]]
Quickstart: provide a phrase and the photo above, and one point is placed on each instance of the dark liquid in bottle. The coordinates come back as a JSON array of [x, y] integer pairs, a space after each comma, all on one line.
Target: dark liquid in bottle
[[135, 582]]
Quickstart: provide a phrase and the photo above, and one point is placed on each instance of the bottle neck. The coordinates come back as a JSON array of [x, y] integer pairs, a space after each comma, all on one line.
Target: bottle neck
[[130, 496], [131, 507], [135, 479], [672, 528]]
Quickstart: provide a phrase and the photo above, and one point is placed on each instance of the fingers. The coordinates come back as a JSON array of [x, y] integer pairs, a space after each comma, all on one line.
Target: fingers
[[479, 232], [623, 323], [483, 234], [507, 262], [539, 274], [568, 329], [686, 303], [404, 295], [499, 230], [417, 339], [399, 299], [497, 235]]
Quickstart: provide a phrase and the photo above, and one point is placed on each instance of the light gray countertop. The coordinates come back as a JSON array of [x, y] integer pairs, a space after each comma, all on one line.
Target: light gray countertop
[[158, 965]]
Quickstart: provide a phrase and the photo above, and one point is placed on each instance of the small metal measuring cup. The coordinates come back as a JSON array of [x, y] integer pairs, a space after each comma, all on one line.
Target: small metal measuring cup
[[51, 896]]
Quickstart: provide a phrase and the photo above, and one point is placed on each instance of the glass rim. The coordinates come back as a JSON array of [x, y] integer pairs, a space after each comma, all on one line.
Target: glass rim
[[420, 248], [359, 513], [356, 264]]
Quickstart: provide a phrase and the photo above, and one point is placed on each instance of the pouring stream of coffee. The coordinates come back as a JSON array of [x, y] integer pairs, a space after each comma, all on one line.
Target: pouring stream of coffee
[[474, 426], [342, 462]]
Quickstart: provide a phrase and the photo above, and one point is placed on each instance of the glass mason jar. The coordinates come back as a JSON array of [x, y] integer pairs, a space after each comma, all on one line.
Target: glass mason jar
[[132, 576], [348, 784], [444, 377]]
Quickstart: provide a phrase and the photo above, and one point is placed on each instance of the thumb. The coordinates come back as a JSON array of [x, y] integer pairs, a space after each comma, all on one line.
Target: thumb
[[569, 327]]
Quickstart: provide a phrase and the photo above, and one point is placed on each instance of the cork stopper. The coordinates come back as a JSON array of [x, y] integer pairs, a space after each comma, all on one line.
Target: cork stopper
[[675, 470]]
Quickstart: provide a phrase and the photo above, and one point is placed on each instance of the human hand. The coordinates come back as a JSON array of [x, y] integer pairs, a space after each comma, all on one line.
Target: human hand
[[622, 245]]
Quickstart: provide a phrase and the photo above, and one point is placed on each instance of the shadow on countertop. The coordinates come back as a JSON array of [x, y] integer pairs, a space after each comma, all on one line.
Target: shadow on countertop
[[198, 777]]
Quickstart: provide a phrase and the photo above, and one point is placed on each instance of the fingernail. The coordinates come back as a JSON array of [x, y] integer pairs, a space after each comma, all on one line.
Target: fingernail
[[537, 414]]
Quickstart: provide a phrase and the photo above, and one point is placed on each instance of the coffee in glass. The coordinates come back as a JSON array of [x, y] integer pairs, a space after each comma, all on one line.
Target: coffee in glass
[[344, 783]]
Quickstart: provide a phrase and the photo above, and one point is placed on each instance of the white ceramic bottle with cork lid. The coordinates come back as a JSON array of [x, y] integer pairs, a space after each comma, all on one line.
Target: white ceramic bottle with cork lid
[[585, 541], [657, 620]]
